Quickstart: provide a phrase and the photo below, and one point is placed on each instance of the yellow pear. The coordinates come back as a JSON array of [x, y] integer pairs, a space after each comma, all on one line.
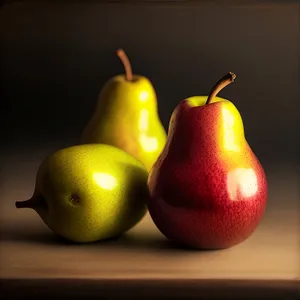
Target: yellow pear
[[126, 116], [87, 193]]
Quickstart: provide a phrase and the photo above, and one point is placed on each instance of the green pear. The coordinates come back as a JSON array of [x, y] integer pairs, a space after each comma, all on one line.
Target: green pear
[[126, 116], [87, 193]]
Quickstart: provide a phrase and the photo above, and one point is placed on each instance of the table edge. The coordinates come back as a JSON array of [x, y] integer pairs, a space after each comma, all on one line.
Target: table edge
[[151, 288]]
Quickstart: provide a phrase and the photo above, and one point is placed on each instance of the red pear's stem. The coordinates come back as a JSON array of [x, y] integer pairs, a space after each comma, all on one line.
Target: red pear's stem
[[126, 63], [223, 82]]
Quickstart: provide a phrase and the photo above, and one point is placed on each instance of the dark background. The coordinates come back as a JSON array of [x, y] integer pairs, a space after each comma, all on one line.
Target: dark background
[[55, 59]]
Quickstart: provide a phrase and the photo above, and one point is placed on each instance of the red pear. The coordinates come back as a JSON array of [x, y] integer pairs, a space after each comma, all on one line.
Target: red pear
[[208, 189]]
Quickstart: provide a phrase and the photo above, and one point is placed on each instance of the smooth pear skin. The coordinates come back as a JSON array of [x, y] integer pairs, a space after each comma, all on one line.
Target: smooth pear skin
[[87, 193], [126, 117], [208, 190]]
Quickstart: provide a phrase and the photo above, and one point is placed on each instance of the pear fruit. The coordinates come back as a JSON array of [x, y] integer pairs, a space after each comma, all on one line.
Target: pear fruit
[[126, 116], [87, 193], [207, 189]]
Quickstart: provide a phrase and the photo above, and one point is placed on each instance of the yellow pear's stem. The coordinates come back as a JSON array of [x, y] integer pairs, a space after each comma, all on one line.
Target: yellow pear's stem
[[35, 201], [25, 204], [220, 85], [126, 63]]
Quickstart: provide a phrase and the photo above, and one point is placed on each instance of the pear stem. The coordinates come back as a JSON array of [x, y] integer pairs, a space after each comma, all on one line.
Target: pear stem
[[35, 201], [126, 63], [220, 85], [25, 204]]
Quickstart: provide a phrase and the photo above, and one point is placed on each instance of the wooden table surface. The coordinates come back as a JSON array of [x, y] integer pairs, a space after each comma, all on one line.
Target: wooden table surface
[[142, 263]]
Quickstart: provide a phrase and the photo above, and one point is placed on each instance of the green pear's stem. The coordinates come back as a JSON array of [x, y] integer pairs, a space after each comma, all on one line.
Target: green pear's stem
[[126, 63], [220, 85], [35, 201], [30, 203]]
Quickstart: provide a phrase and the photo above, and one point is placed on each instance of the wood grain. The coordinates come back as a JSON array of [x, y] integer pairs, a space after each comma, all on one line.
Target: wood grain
[[32, 258]]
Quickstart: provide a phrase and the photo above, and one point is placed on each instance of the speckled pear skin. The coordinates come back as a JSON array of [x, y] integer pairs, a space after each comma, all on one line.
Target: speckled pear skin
[[126, 117], [87, 193], [207, 189]]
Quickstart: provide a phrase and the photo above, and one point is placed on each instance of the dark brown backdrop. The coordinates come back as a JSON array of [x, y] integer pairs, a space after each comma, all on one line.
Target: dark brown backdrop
[[56, 57]]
